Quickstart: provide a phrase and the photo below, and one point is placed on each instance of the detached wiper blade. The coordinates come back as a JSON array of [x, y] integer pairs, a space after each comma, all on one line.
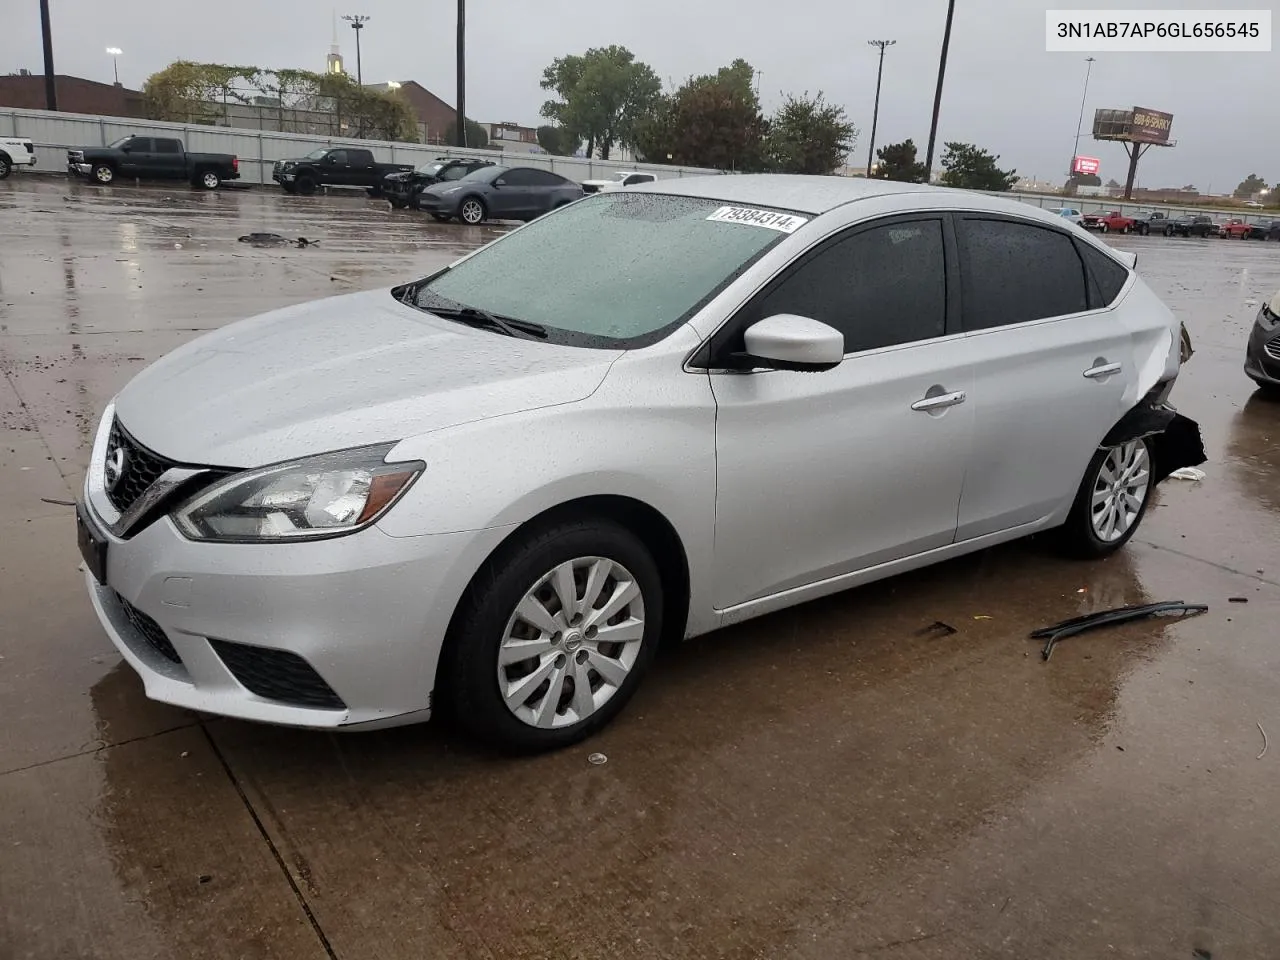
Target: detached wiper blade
[[475, 317]]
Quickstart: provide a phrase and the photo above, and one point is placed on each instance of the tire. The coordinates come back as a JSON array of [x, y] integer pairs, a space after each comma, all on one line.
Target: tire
[[1103, 228], [441, 217], [523, 573], [1086, 533], [208, 180], [288, 188], [472, 211], [1144, 230], [102, 173], [305, 186], [1168, 231], [397, 204], [6, 166], [1127, 229]]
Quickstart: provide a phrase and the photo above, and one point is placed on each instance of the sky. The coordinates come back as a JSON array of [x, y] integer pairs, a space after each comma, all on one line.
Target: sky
[[1003, 91]]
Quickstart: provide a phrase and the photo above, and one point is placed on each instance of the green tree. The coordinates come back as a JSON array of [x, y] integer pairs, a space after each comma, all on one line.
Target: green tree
[[711, 121], [809, 135], [477, 136], [1249, 186], [898, 162], [972, 168], [555, 140], [189, 92], [603, 95]]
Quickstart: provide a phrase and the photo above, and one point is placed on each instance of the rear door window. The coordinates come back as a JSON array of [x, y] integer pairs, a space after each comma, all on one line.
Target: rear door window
[[880, 286], [521, 177], [168, 146], [1014, 272]]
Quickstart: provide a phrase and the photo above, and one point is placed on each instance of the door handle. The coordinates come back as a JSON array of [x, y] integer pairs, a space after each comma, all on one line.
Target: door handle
[[1102, 370], [941, 400]]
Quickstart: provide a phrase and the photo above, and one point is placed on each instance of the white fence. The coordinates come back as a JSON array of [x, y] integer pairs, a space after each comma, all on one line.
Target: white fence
[[1131, 208], [53, 133]]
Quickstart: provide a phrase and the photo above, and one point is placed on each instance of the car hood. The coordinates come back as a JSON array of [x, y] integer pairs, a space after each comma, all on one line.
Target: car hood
[[343, 372], [440, 187]]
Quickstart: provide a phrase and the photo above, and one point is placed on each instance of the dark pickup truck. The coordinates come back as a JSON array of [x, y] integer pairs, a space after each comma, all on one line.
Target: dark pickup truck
[[1145, 223], [1194, 225], [335, 167], [152, 158]]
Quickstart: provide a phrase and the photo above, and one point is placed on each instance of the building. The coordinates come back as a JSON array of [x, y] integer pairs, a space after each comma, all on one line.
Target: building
[[435, 117], [513, 138], [333, 62], [25, 91]]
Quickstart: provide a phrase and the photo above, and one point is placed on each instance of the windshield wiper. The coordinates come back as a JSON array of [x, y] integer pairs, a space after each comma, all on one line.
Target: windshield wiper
[[475, 317]]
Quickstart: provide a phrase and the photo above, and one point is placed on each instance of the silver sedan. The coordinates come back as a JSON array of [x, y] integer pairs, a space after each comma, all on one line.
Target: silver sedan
[[653, 413]]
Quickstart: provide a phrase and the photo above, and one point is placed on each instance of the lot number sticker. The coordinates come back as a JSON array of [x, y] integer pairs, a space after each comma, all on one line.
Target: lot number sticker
[[771, 219]]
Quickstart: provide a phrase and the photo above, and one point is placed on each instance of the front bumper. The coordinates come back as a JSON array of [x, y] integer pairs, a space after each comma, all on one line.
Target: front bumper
[[445, 206], [80, 169], [1262, 355], [362, 616]]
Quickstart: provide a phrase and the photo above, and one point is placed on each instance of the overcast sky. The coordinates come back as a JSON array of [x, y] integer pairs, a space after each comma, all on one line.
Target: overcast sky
[[1003, 91]]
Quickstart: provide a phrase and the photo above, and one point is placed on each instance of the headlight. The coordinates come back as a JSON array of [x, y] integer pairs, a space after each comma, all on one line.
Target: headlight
[[312, 499]]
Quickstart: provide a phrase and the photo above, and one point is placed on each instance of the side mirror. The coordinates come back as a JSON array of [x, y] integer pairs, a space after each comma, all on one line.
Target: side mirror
[[499, 183], [330, 158], [789, 342], [126, 148]]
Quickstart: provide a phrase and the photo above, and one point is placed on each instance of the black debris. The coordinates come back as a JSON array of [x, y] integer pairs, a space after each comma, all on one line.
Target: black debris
[[1105, 618]]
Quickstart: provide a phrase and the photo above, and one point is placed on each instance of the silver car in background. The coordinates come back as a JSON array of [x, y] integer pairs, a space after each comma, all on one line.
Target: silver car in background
[[648, 415]]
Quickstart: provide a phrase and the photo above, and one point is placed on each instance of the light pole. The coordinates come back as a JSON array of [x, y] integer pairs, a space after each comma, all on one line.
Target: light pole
[[875, 114], [46, 34], [937, 96], [460, 134], [1071, 172], [115, 52], [357, 21]]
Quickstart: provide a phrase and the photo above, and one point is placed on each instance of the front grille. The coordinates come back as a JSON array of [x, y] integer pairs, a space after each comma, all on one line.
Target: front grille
[[151, 631], [140, 468], [1272, 348], [277, 675]]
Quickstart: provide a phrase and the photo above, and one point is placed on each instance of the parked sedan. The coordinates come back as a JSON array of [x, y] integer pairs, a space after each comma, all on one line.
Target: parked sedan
[[499, 193], [1262, 355], [650, 414]]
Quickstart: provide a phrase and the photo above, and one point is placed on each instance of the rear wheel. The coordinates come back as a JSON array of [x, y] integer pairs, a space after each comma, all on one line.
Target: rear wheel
[[554, 637], [396, 204], [1144, 230], [102, 173], [1103, 228], [1168, 231], [1111, 501], [1127, 229], [208, 180]]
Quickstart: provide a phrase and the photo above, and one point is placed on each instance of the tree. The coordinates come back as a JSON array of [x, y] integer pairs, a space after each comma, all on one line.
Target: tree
[[1249, 187], [809, 135], [898, 162], [603, 96], [189, 92], [972, 168], [711, 121], [555, 140], [477, 136]]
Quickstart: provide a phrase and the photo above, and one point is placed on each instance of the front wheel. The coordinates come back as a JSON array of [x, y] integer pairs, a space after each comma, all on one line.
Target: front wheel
[[472, 211], [554, 636], [397, 204], [1143, 230], [102, 173], [1168, 231], [1126, 229], [305, 186], [1111, 501], [1103, 228]]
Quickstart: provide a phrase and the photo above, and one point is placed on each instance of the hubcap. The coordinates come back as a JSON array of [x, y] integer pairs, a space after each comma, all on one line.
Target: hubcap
[[571, 642], [471, 212], [105, 174], [1119, 490], [210, 180]]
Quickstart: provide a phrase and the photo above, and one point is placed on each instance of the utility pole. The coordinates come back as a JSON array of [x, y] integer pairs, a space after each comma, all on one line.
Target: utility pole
[[875, 114], [937, 96], [357, 22], [114, 53], [461, 135], [1071, 171], [50, 87]]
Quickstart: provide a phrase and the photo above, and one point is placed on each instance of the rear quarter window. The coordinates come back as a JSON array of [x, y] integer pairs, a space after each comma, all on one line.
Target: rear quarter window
[[1108, 276]]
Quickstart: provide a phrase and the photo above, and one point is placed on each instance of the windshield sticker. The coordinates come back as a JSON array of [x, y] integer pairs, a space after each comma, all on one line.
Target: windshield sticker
[[784, 222]]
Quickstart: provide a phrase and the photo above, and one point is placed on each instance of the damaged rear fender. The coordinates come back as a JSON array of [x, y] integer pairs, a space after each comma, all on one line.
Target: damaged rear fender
[[1175, 439]]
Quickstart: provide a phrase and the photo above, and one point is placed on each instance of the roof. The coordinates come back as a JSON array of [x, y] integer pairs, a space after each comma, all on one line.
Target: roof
[[813, 195]]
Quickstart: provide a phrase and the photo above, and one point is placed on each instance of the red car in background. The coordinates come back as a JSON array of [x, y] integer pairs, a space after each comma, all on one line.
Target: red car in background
[[1244, 231], [1106, 222]]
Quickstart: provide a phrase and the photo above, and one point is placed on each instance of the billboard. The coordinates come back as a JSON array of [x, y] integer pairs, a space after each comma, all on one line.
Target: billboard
[[1088, 166], [1150, 126]]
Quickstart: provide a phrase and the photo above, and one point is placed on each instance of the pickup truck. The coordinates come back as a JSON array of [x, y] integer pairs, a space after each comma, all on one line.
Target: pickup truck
[[1195, 225], [1144, 223], [152, 158], [623, 178], [1106, 222], [15, 152], [1244, 231], [335, 167]]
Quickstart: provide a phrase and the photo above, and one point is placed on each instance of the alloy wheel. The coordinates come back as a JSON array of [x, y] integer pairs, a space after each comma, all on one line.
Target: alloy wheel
[[571, 642], [210, 180], [472, 212], [1119, 490], [104, 174]]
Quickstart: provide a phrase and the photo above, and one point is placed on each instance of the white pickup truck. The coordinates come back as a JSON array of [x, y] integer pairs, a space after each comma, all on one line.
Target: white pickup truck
[[623, 178], [15, 152]]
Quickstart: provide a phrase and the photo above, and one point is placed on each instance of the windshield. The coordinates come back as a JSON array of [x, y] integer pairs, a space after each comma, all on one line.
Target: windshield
[[454, 173], [619, 269], [317, 154], [430, 168], [484, 174]]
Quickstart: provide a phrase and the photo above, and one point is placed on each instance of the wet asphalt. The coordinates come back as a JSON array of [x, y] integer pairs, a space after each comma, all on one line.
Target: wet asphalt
[[839, 780]]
